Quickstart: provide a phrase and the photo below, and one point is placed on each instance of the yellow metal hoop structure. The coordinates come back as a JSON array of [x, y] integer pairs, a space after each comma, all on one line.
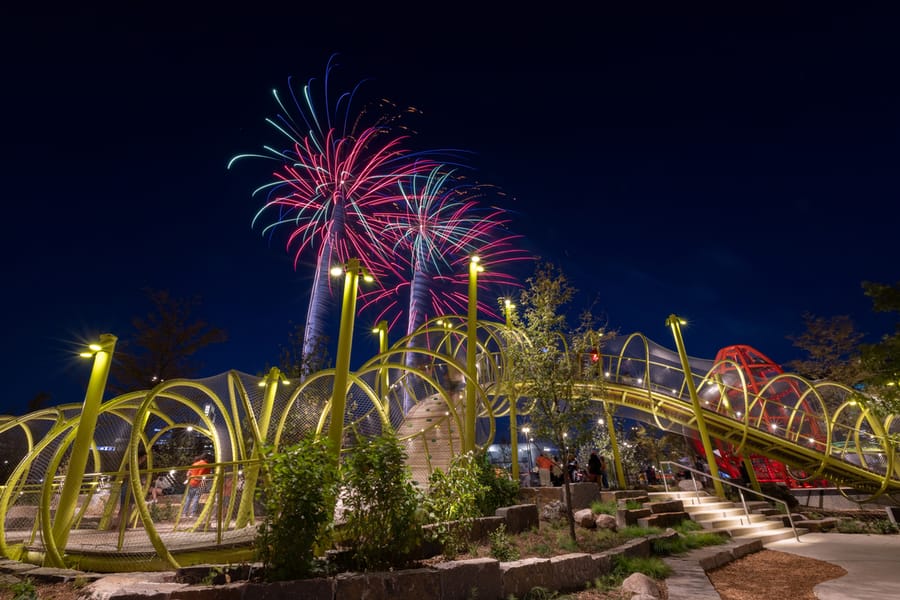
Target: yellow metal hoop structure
[[415, 387]]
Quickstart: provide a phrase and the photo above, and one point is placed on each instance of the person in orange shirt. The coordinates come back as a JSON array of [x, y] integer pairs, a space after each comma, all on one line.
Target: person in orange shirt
[[544, 464], [195, 486]]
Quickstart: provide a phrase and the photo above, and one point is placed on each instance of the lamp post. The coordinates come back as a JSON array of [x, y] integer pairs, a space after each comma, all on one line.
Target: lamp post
[[352, 270], [675, 323], [526, 430], [508, 307], [471, 350], [102, 354], [381, 389]]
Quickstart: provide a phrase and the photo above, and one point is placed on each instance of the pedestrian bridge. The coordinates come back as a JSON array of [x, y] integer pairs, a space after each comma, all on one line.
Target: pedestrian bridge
[[415, 387]]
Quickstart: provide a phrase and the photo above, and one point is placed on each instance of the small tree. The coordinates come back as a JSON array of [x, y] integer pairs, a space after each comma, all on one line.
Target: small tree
[[832, 350], [383, 524], [882, 359], [299, 498], [554, 366], [164, 344]]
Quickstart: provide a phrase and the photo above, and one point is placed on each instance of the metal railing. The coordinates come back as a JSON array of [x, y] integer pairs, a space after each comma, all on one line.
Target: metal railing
[[740, 489]]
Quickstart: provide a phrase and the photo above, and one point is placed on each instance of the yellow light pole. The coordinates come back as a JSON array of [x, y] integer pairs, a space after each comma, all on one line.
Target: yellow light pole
[[508, 307], [471, 351], [381, 389], [102, 354], [675, 323], [352, 271]]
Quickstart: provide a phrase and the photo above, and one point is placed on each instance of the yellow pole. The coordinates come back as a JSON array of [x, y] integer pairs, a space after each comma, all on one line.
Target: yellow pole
[[245, 510], [613, 442], [675, 324], [68, 497], [511, 394], [342, 360], [471, 351], [382, 387]]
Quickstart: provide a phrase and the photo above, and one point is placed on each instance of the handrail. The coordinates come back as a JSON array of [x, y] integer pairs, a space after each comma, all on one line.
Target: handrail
[[740, 489]]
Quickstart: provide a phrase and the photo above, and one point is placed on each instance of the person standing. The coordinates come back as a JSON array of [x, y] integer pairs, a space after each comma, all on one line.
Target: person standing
[[594, 468], [544, 464], [604, 479], [194, 486]]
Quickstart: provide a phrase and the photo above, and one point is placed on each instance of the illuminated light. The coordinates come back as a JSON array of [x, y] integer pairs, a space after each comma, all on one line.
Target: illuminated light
[[190, 428], [95, 347], [171, 471], [376, 330], [86, 354], [367, 277], [812, 441], [640, 380], [738, 413], [286, 381], [475, 258], [262, 383], [774, 426], [336, 271], [706, 402], [674, 391], [606, 374], [600, 421]]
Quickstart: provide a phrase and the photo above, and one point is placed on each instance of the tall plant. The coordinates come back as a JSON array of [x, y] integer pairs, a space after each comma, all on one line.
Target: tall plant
[[383, 523], [299, 498]]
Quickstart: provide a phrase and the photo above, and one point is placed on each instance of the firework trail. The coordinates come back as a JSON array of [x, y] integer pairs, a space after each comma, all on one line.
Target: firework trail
[[432, 233], [333, 175]]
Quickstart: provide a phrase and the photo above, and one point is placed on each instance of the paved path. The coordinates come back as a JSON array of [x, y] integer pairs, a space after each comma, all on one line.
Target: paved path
[[872, 563]]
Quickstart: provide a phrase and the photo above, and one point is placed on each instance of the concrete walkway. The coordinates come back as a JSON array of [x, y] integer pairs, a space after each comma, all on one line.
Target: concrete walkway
[[872, 563]]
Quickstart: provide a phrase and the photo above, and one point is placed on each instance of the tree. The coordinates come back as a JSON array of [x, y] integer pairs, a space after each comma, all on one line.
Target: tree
[[882, 359], [832, 349], [551, 364], [294, 363], [164, 344]]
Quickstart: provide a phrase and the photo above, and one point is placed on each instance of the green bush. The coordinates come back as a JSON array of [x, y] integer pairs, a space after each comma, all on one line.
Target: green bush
[[502, 547], [499, 488], [383, 524], [299, 499], [24, 590], [454, 501]]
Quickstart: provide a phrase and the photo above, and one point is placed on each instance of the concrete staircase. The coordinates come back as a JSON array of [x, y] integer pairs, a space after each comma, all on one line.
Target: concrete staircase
[[723, 516]]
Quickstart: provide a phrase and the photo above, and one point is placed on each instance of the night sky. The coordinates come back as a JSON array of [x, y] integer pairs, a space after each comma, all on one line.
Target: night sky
[[735, 169]]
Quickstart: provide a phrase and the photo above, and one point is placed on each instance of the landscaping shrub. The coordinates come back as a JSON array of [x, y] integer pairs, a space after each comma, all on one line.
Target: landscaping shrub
[[454, 501], [383, 524], [502, 547], [299, 499], [499, 489]]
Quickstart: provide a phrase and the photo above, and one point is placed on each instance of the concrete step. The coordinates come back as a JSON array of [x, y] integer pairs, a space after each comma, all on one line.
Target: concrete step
[[711, 507], [743, 530], [709, 515], [770, 535], [734, 521]]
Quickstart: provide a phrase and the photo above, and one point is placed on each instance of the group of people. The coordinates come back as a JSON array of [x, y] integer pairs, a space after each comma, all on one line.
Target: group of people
[[551, 471]]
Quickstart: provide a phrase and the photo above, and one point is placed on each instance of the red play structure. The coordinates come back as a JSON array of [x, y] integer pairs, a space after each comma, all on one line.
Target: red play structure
[[758, 369]]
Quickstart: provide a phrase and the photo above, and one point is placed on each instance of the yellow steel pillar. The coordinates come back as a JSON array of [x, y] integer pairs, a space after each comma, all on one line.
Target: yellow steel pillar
[[251, 475], [352, 271], [471, 352], [381, 387], [675, 323], [613, 442], [102, 353], [511, 395]]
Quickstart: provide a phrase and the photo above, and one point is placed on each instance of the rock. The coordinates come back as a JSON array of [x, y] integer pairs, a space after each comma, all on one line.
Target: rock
[[585, 518], [640, 585], [605, 521], [553, 511]]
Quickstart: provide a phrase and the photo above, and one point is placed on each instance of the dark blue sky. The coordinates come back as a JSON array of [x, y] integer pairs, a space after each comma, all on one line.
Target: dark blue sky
[[736, 169]]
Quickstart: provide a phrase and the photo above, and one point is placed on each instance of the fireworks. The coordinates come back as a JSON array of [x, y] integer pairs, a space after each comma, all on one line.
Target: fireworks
[[346, 189]]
